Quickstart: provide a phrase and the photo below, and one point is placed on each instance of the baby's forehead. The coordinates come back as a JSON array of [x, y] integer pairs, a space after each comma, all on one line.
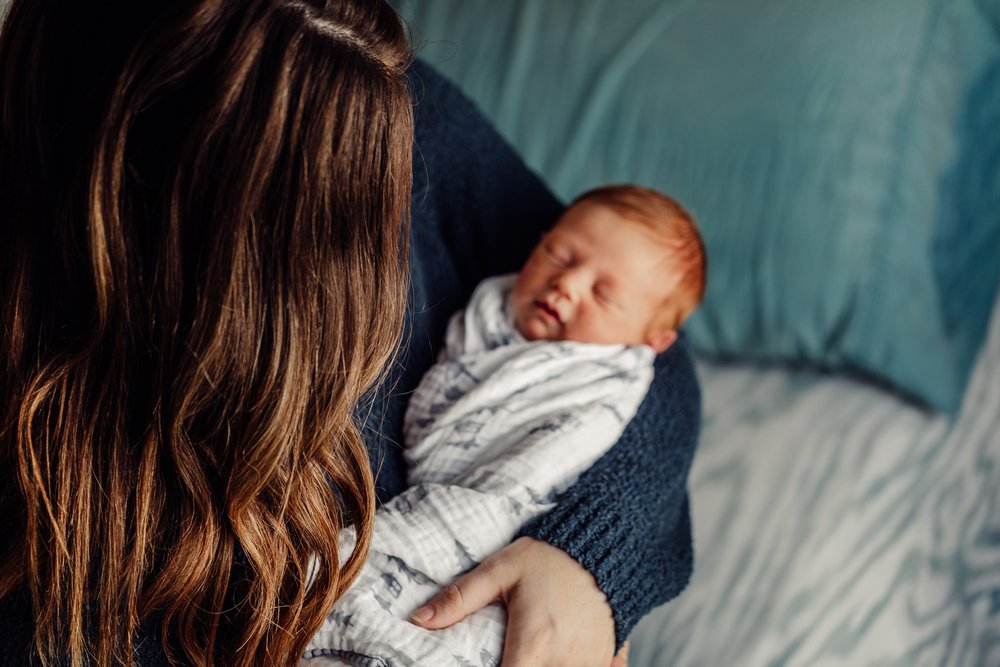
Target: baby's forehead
[[596, 220], [626, 250]]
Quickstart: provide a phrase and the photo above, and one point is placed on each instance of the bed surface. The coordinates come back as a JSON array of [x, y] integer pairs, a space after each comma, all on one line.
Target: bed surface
[[837, 524]]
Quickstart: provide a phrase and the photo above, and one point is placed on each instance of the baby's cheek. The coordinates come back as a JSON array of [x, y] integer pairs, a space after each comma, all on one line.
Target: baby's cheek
[[594, 329], [584, 330]]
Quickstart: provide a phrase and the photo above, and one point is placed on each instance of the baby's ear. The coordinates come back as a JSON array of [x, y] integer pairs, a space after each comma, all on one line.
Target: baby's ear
[[661, 339]]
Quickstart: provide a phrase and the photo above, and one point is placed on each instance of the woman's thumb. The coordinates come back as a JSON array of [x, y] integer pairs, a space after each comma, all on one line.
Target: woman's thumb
[[466, 595]]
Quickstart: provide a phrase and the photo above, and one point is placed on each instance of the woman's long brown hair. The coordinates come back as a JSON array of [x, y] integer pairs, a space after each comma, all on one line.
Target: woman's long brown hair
[[203, 210]]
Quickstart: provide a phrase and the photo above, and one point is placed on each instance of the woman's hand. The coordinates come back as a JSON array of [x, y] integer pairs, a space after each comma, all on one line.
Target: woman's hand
[[556, 614]]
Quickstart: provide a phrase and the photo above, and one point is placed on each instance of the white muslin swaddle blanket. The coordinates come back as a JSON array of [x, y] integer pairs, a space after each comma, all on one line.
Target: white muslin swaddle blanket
[[497, 429]]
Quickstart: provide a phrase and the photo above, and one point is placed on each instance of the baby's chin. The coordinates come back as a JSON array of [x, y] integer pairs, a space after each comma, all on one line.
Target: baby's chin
[[532, 328]]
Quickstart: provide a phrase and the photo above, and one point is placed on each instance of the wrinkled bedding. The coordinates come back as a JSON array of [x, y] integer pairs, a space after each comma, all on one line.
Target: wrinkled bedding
[[836, 524]]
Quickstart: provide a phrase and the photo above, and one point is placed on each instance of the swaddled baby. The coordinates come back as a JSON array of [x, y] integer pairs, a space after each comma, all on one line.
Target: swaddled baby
[[539, 376]]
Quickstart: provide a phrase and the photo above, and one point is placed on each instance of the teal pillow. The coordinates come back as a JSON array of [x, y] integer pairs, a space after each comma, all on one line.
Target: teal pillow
[[841, 157]]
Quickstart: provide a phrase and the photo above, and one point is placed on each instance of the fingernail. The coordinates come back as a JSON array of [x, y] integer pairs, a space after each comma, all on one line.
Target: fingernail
[[422, 615]]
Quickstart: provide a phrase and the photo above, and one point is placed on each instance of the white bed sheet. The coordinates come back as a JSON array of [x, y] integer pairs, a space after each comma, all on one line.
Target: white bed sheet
[[837, 524]]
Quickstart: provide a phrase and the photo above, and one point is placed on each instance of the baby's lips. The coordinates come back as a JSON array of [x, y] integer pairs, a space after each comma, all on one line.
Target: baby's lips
[[549, 310]]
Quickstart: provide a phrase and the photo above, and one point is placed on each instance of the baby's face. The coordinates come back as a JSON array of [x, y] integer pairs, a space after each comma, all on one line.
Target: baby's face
[[597, 277]]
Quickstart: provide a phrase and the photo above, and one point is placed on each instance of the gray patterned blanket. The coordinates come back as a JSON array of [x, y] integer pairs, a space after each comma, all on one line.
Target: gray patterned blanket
[[495, 431]]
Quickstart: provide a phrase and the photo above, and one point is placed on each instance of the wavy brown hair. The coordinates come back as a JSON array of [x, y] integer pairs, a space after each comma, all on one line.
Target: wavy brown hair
[[203, 210]]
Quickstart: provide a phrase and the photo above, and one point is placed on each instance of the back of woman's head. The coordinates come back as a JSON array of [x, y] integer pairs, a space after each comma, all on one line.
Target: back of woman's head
[[202, 247]]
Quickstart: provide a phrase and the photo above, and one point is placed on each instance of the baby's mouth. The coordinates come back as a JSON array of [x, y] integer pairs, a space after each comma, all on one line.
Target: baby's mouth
[[548, 310]]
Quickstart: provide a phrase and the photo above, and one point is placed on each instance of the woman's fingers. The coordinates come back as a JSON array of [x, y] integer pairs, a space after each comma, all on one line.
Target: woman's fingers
[[556, 614], [469, 593]]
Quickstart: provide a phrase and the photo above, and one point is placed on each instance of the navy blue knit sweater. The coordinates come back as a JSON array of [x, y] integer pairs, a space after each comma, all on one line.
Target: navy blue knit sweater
[[478, 211]]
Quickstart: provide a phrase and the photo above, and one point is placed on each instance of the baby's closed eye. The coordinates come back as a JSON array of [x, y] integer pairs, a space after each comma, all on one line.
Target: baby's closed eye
[[558, 255], [604, 295]]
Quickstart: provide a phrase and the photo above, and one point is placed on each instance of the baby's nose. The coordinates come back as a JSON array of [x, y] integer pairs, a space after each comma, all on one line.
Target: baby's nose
[[568, 284]]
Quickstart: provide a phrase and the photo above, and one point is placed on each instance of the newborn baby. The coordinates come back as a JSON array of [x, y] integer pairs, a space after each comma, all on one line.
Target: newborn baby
[[623, 265], [539, 376]]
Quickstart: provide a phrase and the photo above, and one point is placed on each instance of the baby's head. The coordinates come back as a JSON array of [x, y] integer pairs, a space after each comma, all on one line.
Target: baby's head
[[624, 264]]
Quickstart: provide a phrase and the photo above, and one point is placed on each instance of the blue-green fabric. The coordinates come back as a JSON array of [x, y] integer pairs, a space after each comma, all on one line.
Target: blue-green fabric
[[842, 158]]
